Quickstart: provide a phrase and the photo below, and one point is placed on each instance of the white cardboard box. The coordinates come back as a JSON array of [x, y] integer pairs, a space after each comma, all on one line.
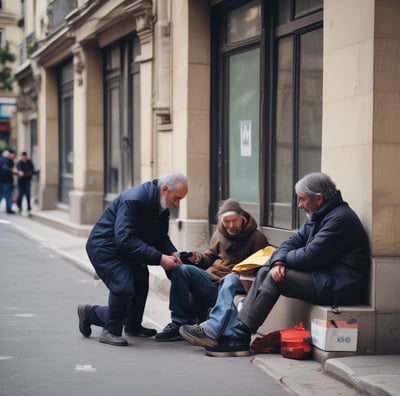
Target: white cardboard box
[[335, 335]]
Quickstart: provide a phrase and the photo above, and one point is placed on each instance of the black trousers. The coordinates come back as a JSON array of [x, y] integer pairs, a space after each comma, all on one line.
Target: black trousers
[[124, 309], [264, 293]]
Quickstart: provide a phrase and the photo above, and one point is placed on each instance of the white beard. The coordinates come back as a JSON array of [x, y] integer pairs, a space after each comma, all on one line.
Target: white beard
[[163, 203]]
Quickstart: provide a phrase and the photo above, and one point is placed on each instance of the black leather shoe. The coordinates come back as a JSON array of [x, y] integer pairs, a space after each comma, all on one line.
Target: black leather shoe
[[139, 331], [108, 338], [169, 333], [229, 347], [84, 322]]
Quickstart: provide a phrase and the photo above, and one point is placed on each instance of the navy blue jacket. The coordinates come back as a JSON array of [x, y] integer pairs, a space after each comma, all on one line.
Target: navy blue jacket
[[133, 230], [28, 169], [6, 170], [334, 247]]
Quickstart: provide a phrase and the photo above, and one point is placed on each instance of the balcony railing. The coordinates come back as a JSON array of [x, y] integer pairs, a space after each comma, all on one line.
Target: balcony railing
[[57, 10], [27, 47]]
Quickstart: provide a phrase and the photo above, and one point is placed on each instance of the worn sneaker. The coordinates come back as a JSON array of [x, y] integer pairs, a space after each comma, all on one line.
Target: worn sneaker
[[108, 338], [229, 347], [196, 335], [84, 322], [169, 333], [139, 331]]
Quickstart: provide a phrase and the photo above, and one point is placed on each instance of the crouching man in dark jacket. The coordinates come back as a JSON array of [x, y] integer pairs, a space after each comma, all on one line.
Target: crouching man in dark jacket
[[131, 234], [326, 262]]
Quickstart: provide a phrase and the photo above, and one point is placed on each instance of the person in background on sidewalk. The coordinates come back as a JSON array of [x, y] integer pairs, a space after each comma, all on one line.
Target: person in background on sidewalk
[[326, 263], [235, 238], [131, 234], [7, 173], [26, 170]]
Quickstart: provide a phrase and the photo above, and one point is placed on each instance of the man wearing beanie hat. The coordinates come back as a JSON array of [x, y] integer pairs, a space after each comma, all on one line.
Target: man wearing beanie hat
[[236, 237], [326, 262]]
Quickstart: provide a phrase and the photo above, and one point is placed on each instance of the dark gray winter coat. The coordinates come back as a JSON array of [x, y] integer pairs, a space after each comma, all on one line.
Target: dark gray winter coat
[[334, 246]]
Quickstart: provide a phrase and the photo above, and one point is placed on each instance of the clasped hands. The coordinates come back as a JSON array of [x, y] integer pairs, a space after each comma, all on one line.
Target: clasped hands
[[171, 262], [278, 271]]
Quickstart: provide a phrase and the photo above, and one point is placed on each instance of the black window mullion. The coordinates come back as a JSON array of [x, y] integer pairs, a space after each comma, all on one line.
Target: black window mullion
[[296, 100]]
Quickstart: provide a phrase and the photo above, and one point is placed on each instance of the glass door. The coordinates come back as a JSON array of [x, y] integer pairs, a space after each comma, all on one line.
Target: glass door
[[65, 131]]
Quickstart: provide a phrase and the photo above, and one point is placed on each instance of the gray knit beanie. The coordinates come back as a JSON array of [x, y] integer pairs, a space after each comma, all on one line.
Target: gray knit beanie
[[230, 206]]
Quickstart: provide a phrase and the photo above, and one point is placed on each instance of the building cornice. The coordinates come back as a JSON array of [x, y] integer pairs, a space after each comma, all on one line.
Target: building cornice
[[102, 16], [55, 49], [24, 71], [8, 18]]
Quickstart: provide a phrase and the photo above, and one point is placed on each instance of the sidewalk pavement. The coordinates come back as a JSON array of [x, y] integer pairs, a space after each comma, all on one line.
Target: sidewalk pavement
[[356, 375]]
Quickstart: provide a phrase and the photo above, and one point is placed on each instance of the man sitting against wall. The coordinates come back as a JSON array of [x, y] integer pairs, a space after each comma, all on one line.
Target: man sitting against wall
[[326, 262], [235, 238]]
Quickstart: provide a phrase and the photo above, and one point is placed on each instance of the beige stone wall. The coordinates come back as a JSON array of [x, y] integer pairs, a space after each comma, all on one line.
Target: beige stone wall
[[185, 147], [48, 140], [386, 165], [189, 143], [198, 131], [360, 136], [86, 200], [347, 134], [386, 124]]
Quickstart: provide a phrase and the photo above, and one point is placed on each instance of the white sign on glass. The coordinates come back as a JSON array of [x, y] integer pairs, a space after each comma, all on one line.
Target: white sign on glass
[[245, 138]]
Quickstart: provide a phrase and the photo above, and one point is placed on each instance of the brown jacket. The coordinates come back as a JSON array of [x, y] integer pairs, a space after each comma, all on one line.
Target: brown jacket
[[226, 250]]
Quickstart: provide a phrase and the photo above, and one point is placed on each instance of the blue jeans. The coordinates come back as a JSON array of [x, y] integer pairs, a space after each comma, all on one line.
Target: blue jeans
[[224, 316], [186, 279], [7, 190]]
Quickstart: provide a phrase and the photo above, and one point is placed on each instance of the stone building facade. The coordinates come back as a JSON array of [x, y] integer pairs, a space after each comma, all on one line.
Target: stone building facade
[[242, 96], [11, 33]]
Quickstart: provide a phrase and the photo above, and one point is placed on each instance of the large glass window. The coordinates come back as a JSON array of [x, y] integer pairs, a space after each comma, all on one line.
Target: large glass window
[[244, 131], [244, 22], [282, 175], [122, 116], [266, 105], [296, 144], [65, 131]]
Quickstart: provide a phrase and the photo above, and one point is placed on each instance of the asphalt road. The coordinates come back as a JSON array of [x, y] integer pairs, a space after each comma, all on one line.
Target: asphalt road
[[42, 352]]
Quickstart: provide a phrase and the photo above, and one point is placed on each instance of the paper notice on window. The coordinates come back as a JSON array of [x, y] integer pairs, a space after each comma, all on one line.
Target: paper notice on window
[[245, 138]]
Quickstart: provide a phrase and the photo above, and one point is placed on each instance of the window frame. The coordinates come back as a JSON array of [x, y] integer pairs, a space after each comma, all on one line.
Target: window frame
[[220, 52], [121, 76]]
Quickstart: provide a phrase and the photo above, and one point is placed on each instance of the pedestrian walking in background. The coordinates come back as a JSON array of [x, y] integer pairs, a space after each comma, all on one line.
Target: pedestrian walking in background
[[131, 234], [7, 173], [25, 172]]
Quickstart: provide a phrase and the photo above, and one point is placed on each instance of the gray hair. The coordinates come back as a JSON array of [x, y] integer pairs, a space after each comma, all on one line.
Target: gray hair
[[172, 180], [316, 183]]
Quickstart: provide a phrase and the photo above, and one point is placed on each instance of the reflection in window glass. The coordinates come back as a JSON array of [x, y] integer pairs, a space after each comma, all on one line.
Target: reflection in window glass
[[284, 14], [115, 141], [67, 136], [283, 166], [244, 22], [113, 58], [244, 103], [136, 123], [310, 104], [304, 6]]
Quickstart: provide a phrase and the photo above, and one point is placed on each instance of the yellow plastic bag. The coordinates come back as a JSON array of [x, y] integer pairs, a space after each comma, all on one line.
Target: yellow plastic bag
[[255, 261]]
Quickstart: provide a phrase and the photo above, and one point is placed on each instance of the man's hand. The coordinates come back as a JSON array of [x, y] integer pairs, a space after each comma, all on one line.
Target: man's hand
[[195, 258], [170, 262], [278, 271]]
